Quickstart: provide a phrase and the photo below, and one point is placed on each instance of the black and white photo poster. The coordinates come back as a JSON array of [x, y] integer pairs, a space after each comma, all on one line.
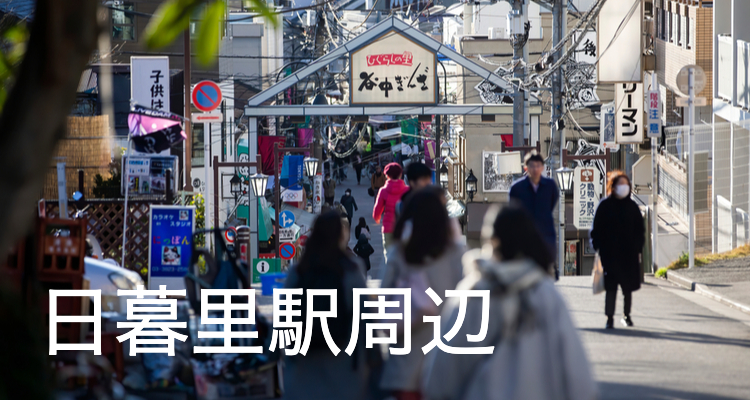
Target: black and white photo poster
[[500, 170]]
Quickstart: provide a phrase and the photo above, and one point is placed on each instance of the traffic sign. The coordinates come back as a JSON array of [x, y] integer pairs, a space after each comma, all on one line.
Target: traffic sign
[[286, 234], [230, 234], [286, 219], [287, 251], [685, 102], [208, 117], [206, 96], [699, 78]]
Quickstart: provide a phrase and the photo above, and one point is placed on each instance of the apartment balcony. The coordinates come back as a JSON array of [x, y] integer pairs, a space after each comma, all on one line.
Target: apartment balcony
[[725, 67]]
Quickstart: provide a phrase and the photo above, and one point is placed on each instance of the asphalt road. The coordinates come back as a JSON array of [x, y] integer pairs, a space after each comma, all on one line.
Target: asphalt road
[[683, 345]]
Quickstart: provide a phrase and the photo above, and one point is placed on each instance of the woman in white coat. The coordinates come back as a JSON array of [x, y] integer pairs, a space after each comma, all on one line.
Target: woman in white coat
[[537, 353]]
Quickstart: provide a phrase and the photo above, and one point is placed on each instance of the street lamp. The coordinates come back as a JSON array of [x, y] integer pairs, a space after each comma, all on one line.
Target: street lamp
[[311, 166], [471, 185], [445, 150], [444, 176], [564, 178], [235, 185], [259, 182]]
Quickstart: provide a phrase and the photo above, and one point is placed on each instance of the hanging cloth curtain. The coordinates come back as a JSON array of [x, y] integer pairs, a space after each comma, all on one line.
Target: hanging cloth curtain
[[154, 131]]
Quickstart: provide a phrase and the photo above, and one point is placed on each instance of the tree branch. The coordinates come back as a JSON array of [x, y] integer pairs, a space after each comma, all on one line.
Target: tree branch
[[63, 37]]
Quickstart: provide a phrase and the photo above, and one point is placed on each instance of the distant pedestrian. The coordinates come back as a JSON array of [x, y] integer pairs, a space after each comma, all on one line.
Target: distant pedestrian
[[377, 181], [538, 195], [425, 255], [329, 189], [357, 163], [385, 204], [618, 235], [362, 228], [537, 352], [419, 176], [350, 204], [320, 374], [364, 249], [339, 208]]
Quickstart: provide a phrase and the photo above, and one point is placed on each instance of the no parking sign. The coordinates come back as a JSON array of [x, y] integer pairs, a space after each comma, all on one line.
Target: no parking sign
[[207, 96]]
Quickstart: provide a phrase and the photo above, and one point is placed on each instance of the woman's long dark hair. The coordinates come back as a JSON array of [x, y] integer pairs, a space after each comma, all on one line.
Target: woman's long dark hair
[[322, 251], [430, 233], [362, 222], [519, 237]]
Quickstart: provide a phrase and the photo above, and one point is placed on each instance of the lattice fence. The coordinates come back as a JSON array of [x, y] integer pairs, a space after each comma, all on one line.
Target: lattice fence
[[105, 222]]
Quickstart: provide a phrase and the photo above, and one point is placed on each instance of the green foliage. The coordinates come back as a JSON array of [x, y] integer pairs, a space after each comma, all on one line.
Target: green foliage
[[661, 273], [173, 18], [109, 188], [200, 217], [12, 48]]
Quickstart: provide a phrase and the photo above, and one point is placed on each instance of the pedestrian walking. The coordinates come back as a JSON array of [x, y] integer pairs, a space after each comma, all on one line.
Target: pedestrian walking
[[329, 189], [425, 255], [320, 374], [377, 181], [339, 208], [538, 195], [357, 163], [362, 228], [350, 204], [385, 204], [364, 249], [537, 353], [419, 176], [618, 235]]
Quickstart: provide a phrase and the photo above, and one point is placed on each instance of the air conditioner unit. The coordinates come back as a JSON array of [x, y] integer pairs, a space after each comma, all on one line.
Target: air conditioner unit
[[496, 33]]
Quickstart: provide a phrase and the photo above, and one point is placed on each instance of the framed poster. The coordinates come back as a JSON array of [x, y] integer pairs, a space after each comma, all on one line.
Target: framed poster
[[147, 175], [500, 170]]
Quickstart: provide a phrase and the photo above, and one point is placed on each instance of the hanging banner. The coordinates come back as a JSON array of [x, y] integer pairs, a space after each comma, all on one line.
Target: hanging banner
[[170, 238], [607, 128], [291, 179], [393, 70], [629, 113], [654, 114], [586, 193]]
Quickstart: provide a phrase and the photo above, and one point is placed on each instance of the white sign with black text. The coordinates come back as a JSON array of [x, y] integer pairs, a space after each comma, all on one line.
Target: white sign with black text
[[586, 193], [149, 82], [629, 113], [654, 114], [393, 70]]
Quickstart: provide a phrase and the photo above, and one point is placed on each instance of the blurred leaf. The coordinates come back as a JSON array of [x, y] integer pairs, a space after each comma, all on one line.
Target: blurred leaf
[[207, 44], [3, 96], [170, 20]]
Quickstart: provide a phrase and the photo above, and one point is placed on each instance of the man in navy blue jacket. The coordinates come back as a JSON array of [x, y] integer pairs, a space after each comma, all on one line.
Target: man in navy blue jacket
[[539, 195]]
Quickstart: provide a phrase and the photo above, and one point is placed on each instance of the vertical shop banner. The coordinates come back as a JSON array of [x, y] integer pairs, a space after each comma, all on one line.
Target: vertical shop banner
[[243, 155], [318, 194], [149, 82], [607, 136], [170, 245], [654, 114], [629, 113], [586, 193]]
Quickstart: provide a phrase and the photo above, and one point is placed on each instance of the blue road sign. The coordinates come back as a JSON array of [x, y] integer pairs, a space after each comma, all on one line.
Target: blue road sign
[[286, 251], [286, 219], [206, 96]]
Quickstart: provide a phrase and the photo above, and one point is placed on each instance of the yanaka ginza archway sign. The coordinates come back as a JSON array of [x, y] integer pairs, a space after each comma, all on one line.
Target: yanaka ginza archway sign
[[393, 69]]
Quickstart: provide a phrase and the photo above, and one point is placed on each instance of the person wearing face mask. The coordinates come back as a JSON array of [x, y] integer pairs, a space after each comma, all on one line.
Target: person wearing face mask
[[347, 200], [329, 189], [618, 235]]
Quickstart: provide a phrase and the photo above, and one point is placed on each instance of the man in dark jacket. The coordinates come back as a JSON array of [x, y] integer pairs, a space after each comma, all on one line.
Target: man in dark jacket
[[538, 195], [347, 200]]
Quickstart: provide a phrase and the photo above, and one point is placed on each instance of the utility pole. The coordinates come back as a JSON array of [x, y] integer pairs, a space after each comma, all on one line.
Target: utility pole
[[188, 123], [559, 16], [519, 44]]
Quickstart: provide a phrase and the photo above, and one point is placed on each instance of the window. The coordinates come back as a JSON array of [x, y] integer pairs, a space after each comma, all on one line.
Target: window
[[689, 32], [678, 29], [198, 149], [123, 22]]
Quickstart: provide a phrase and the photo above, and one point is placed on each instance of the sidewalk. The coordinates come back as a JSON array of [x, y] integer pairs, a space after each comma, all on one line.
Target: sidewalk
[[727, 281]]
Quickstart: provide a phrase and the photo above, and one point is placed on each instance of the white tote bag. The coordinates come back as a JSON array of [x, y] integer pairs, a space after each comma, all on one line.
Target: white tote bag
[[597, 275]]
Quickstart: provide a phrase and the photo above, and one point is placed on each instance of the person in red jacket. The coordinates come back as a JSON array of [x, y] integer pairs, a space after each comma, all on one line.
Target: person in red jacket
[[385, 205]]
